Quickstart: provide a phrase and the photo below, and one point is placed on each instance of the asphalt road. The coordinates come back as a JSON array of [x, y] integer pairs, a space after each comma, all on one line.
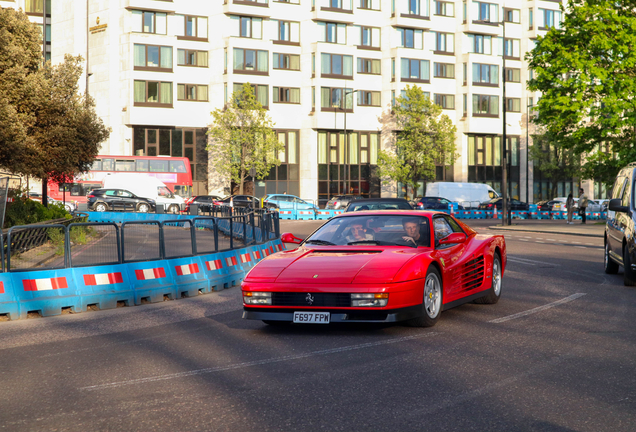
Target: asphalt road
[[557, 353]]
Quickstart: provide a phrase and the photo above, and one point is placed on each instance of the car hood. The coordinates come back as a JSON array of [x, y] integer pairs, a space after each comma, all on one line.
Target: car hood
[[333, 266]]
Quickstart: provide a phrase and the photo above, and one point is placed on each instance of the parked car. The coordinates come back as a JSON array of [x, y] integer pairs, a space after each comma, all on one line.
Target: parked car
[[203, 201], [433, 203], [118, 199], [620, 235], [244, 201], [396, 266], [285, 201], [515, 205], [378, 204], [341, 201], [469, 195], [69, 206]]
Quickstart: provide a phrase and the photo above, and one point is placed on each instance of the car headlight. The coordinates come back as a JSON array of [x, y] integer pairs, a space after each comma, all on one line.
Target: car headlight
[[257, 298], [369, 300]]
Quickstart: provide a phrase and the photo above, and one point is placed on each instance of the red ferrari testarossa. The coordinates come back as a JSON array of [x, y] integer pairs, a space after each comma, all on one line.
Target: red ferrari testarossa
[[377, 266]]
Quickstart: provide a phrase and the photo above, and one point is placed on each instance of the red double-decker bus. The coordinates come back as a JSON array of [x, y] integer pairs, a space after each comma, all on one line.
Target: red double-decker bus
[[173, 171]]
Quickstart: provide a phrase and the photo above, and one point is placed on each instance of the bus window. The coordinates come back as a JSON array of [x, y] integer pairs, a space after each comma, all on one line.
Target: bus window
[[158, 165], [107, 164], [97, 165], [89, 187], [177, 166], [76, 189], [124, 165], [142, 165]]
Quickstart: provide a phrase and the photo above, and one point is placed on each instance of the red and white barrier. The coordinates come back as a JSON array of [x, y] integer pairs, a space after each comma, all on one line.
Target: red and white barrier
[[44, 284], [148, 274], [103, 279], [187, 269]]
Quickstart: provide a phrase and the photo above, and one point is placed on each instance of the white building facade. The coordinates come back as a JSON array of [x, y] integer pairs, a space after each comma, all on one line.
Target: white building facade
[[158, 68]]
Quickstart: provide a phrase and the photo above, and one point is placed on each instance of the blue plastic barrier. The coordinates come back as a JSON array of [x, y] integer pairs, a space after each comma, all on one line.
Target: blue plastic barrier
[[151, 282], [216, 272], [235, 271], [103, 286], [47, 292], [305, 214], [8, 303], [288, 214], [188, 276]]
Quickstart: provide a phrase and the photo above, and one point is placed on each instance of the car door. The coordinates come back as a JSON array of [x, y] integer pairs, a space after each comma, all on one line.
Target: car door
[[624, 219], [450, 256], [614, 233], [127, 200], [111, 198]]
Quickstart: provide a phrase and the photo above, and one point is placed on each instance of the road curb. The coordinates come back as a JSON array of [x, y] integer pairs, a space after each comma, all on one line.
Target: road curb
[[540, 231]]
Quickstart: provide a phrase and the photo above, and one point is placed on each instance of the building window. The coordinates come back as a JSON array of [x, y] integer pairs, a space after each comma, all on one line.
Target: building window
[[153, 93], [256, 2], [415, 70], [530, 19], [484, 160], [485, 106], [283, 179], [443, 70], [260, 91], [445, 101], [336, 65], [36, 7], [369, 37], [369, 66], [513, 75], [485, 74], [410, 38], [512, 48], [286, 95], [445, 8], [513, 104], [287, 31], [247, 27], [333, 99], [149, 22], [343, 5], [250, 61], [465, 72], [369, 98], [193, 58], [192, 27], [192, 92], [416, 8], [369, 4], [480, 44], [287, 1], [332, 32], [512, 15], [152, 57], [487, 12], [549, 18], [465, 103], [444, 43], [286, 61]]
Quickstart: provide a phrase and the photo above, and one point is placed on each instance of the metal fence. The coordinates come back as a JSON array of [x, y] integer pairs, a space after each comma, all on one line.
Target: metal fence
[[82, 244]]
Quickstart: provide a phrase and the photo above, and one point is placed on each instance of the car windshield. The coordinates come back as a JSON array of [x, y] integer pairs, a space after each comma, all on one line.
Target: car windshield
[[389, 230], [379, 205]]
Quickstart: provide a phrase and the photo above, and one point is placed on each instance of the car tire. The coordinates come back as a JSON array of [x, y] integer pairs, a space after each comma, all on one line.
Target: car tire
[[101, 207], [432, 301], [611, 267], [277, 323], [143, 208], [629, 279], [494, 293], [173, 209]]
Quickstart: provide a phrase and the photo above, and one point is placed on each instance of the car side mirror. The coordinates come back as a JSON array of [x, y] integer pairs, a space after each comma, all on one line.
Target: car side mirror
[[290, 238], [454, 238], [617, 205]]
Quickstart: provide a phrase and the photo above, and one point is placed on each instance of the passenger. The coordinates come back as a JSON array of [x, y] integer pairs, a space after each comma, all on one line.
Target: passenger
[[413, 234], [358, 233]]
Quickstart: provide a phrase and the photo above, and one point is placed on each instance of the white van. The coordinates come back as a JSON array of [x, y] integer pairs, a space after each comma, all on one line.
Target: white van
[[145, 186], [468, 195]]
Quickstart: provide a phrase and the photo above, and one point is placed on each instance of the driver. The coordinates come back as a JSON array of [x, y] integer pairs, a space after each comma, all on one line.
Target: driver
[[412, 228], [357, 233]]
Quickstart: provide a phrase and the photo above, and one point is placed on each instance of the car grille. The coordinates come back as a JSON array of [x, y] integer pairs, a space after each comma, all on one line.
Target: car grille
[[473, 273], [319, 299]]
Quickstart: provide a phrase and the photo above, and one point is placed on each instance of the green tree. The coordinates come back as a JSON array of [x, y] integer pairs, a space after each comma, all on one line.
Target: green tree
[[556, 163], [243, 140], [47, 128], [585, 71], [425, 138]]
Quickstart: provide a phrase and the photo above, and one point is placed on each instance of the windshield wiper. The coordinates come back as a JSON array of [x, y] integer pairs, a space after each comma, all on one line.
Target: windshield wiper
[[375, 242], [320, 242]]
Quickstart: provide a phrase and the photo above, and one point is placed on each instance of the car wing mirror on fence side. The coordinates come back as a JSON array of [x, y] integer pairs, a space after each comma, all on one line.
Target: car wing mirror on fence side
[[617, 205], [290, 238]]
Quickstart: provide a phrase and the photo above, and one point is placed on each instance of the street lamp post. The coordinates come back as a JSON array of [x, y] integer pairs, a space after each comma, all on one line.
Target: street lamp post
[[528, 107], [505, 214]]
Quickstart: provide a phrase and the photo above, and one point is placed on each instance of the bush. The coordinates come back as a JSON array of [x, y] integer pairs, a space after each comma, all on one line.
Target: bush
[[23, 211]]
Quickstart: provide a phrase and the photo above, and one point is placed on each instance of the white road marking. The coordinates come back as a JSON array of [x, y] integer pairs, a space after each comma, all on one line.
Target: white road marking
[[529, 261], [254, 363], [538, 309], [540, 242]]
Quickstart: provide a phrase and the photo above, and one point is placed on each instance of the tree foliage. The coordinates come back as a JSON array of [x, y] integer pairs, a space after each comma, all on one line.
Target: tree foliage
[[243, 139], [586, 72], [425, 139], [47, 128], [556, 163]]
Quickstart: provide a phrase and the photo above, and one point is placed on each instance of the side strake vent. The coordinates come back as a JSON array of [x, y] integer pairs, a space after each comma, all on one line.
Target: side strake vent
[[473, 273]]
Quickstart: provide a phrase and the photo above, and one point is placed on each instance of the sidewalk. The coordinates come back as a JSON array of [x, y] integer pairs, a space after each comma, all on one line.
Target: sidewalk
[[593, 228]]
